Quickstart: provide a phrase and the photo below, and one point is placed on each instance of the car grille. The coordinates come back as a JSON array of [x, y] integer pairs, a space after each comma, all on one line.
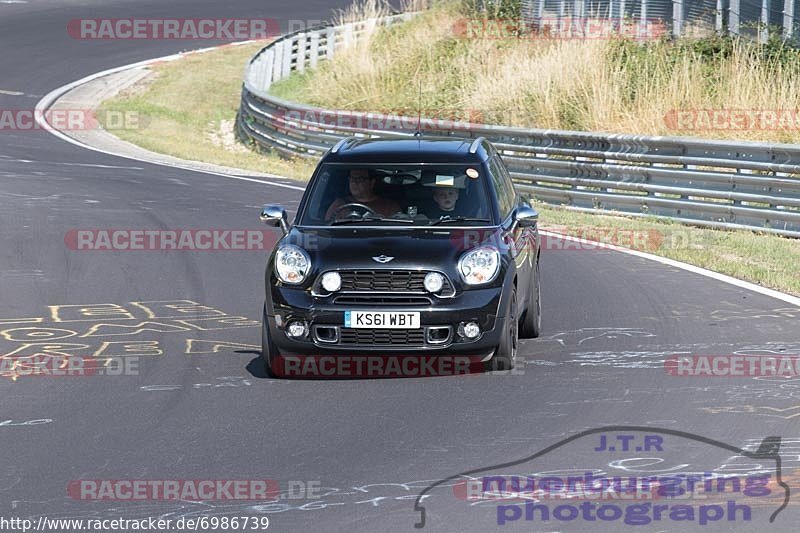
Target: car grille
[[388, 280], [377, 300], [382, 337]]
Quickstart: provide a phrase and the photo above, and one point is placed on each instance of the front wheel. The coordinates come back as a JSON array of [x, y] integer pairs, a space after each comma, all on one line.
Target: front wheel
[[269, 353], [505, 357], [531, 325]]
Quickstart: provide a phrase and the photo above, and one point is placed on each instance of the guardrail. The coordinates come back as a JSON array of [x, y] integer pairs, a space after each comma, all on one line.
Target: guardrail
[[749, 18], [693, 181]]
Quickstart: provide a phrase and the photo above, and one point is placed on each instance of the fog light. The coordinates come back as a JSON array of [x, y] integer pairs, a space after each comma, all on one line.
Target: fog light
[[433, 282], [471, 330], [331, 281], [297, 329]]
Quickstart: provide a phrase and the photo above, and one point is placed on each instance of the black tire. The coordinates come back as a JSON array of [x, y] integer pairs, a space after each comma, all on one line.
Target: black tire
[[505, 357], [530, 326], [269, 352]]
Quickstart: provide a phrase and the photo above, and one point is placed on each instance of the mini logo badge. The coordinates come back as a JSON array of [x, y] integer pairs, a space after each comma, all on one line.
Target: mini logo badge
[[382, 258]]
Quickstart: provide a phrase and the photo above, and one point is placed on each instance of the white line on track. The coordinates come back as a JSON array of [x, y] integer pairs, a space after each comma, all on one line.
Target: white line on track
[[61, 163], [92, 165], [794, 300], [52, 96]]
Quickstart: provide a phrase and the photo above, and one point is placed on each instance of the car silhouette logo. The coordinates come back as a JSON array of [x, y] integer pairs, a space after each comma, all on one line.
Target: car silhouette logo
[[768, 449], [382, 258]]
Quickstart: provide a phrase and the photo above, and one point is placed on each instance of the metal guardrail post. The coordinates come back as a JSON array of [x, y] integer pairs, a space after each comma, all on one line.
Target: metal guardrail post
[[733, 17], [347, 35], [286, 61], [763, 28], [788, 18], [267, 68], [643, 25], [277, 64], [330, 35], [578, 21], [313, 56], [677, 17], [301, 52]]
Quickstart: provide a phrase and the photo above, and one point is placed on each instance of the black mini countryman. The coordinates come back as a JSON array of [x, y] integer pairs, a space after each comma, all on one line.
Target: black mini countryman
[[413, 246]]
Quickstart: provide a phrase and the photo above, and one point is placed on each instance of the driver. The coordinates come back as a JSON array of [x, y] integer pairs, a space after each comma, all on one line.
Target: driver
[[362, 191]]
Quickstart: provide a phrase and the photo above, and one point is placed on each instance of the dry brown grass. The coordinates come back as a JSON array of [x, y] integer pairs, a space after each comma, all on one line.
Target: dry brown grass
[[361, 10], [605, 85]]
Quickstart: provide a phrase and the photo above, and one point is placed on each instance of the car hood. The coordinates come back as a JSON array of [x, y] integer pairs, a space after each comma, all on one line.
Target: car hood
[[411, 248]]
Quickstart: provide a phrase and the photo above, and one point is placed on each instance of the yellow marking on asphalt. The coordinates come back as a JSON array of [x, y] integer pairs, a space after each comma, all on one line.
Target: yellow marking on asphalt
[[226, 322], [89, 312], [128, 349], [194, 346], [101, 329], [4, 321], [175, 308]]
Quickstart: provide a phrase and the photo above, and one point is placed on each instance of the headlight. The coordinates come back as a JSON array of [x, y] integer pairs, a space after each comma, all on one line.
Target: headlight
[[292, 264], [479, 265]]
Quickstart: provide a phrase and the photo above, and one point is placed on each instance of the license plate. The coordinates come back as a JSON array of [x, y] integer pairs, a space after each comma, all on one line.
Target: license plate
[[381, 319]]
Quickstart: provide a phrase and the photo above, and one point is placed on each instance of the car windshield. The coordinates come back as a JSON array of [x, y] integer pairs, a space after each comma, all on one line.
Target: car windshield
[[397, 195]]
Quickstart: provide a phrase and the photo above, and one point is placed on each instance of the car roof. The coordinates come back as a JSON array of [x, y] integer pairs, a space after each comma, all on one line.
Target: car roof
[[419, 149]]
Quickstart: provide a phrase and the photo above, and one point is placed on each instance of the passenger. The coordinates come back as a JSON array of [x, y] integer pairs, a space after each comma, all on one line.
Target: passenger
[[445, 199], [362, 191]]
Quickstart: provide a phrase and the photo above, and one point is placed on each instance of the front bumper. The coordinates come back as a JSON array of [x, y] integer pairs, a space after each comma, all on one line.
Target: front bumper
[[444, 316]]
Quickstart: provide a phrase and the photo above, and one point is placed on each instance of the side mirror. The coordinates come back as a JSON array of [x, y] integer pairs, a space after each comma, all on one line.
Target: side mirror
[[526, 216], [275, 215]]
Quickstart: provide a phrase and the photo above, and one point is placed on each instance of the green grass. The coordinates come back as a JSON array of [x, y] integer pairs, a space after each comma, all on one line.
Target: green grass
[[185, 104]]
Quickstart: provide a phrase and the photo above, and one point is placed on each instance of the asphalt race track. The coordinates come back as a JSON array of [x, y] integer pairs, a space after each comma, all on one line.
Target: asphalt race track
[[201, 407]]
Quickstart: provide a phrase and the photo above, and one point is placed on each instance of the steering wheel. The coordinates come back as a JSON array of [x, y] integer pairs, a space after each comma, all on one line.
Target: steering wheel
[[367, 210]]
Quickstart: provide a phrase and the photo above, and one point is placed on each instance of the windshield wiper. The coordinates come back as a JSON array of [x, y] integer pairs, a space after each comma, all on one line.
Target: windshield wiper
[[342, 221], [448, 220]]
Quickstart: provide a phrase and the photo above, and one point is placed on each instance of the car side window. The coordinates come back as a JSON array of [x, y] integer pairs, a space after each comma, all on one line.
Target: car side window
[[320, 202], [503, 187]]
